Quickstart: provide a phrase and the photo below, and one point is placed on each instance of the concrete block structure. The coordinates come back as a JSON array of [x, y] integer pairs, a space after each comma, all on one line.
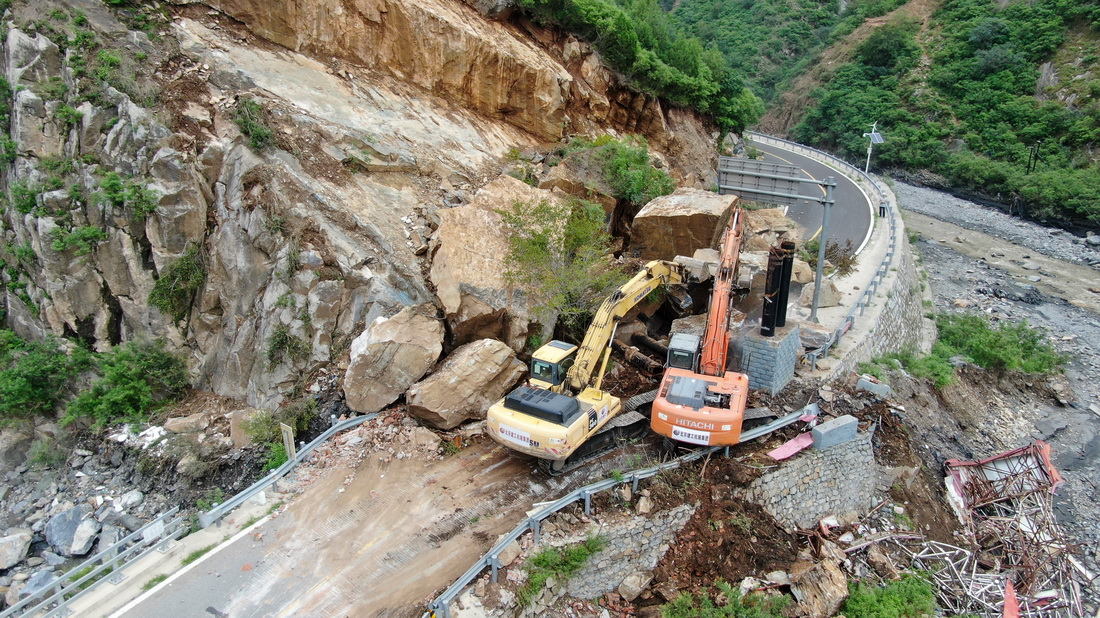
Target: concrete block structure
[[770, 361], [835, 431]]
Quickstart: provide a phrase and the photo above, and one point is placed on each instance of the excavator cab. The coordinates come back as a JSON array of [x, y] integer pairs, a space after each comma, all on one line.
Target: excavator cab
[[550, 364], [683, 352]]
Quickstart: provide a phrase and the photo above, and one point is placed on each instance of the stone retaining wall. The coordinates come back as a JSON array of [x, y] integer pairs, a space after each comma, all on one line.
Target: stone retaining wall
[[634, 545], [837, 481], [899, 324]]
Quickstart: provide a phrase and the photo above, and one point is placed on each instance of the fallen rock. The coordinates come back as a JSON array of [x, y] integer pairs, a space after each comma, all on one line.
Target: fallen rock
[[423, 437], [131, 499], [72, 532], [509, 554], [680, 223], [469, 381], [633, 585], [645, 505], [830, 295], [13, 547], [188, 424], [468, 267], [389, 356], [813, 336], [39, 581], [765, 228], [819, 588], [801, 272], [237, 422], [882, 564]]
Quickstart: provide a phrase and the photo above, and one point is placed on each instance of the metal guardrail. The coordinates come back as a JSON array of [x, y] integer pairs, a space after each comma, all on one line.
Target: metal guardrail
[[891, 250], [441, 606], [221, 510], [79, 581]]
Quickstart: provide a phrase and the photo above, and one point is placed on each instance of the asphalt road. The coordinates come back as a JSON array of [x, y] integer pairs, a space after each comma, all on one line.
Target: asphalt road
[[851, 216]]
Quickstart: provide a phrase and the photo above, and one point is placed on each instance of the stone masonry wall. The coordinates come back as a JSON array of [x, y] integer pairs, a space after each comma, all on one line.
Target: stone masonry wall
[[634, 545], [769, 361], [899, 325], [837, 481]]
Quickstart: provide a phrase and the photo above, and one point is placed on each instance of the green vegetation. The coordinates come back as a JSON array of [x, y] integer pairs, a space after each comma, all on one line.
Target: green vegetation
[[625, 166], [558, 563], [1006, 346], [128, 193], [178, 283], [68, 115], [34, 375], [637, 39], [911, 596], [735, 606], [842, 257], [973, 116], [250, 119], [213, 497], [276, 456], [198, 553], [559, 253], [47, 452], [153, 581], [138, 377], [282, 345], [82, 239]]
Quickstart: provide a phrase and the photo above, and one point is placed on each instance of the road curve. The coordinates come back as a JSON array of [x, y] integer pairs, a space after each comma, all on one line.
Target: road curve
[[851, 218]]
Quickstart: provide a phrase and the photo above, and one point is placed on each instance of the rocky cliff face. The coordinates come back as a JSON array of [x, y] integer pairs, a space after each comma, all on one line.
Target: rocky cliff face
[[383, 113]]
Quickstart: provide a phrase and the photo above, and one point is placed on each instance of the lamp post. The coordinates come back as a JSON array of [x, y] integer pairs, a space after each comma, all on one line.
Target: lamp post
[[875, 138]]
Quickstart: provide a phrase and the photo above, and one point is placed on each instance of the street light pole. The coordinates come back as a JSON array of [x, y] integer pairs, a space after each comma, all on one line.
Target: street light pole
[[874, 137], [827, 203]]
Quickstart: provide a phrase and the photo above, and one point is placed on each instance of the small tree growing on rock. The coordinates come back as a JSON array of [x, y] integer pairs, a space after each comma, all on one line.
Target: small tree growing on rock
[[559, 252]]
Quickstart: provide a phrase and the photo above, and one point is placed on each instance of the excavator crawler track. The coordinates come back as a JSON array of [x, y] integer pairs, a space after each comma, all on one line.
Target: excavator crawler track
[[626, 427]]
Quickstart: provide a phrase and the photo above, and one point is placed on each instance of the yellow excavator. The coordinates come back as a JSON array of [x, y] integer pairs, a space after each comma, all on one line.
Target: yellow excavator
[[564, 417]]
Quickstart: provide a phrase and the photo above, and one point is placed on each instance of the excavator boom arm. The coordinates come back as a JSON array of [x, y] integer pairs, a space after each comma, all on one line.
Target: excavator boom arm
[[716, 339], [614, 307]]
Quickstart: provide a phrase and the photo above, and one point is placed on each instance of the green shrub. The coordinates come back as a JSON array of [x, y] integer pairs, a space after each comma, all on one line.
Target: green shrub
[[910, 597], [83, 239], [558, 254], [281, 345], [735, 606], [47, 452], [24, 197], [560, 563], [70, 116], [33, 375], [250, 120], [627, 170], [138, 377], [213, 497], [276, 455], [177, 284]]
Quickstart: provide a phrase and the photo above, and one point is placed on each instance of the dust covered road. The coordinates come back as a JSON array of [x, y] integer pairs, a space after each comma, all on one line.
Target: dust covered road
[[377, 545]]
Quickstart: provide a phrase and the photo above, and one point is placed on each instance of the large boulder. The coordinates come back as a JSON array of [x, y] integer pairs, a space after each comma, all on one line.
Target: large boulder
[[680, 223], [13, 547], [468, 267], [469, 381], [830, 295], [820, 588], [389, 356], [72, 532], [766, 228]]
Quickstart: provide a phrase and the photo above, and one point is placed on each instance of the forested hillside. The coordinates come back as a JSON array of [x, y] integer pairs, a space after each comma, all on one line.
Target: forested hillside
[[769, 40], [1004, 100], [999, 97]]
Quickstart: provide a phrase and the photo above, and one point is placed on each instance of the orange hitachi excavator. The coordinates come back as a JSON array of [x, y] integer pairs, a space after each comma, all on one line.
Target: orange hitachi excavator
[[699, 402]]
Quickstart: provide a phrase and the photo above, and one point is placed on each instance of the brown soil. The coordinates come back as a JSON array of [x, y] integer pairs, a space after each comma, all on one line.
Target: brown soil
[[727, 538]]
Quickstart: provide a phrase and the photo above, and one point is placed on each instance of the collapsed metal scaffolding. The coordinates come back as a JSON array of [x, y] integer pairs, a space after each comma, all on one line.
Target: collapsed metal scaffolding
[[1006, 503]]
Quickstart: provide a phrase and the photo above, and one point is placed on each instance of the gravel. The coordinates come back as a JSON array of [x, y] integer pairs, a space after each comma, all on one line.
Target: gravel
[[1054, 242], [958, 281]]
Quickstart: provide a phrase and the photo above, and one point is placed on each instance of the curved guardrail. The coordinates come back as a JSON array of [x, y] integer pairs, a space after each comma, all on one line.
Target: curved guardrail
[[81, 579], [891, 250], [219, 511], [441, 606]]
